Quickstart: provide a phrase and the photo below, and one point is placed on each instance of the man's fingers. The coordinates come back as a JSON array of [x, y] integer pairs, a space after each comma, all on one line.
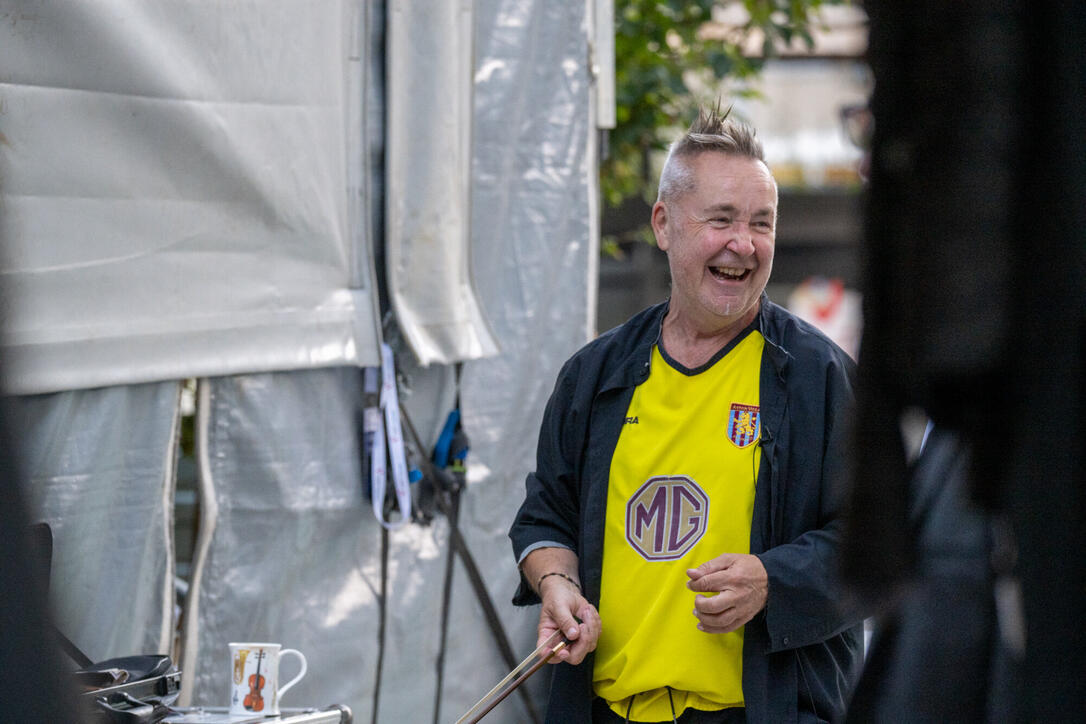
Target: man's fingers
[[556, 622], [588, 634], [721, 563], [716, 614], [582, 635], [727, 626], [709, 566], [559, 613], [570, 628], [564, 652], [722, 623], [574, 651], [713, 605], [590, 622], [715, 581]]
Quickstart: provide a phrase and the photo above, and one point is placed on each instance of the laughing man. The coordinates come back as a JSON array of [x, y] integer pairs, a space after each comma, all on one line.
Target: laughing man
[[680, 527]]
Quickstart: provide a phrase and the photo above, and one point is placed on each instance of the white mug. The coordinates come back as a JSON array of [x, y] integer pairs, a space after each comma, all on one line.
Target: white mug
[[254, 681]]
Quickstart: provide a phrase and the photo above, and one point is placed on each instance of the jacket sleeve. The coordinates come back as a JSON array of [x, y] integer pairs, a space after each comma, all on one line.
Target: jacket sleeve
[[549, 513], [805, 606]]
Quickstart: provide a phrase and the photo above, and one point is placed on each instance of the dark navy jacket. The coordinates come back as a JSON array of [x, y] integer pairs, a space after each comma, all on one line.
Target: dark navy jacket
[[800, 651]]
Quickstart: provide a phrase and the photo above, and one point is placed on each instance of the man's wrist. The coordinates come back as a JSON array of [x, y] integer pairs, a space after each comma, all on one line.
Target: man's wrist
[[555, 575]]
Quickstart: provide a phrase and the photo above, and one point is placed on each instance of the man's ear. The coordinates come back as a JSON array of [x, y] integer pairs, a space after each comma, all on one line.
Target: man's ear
[[659, 224]]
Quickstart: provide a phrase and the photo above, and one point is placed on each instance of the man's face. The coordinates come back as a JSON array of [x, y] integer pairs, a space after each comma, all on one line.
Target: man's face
[[719, 238]]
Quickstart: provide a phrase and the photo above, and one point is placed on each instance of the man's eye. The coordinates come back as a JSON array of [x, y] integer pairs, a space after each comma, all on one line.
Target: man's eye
[[763, 226], [722, 220]]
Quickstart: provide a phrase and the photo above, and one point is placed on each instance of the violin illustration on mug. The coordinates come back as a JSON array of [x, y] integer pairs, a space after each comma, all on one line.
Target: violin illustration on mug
[[254, 686], [253, 701]]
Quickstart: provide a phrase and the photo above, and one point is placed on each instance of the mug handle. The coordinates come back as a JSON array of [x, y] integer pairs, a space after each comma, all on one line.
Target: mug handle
[[296, 679]]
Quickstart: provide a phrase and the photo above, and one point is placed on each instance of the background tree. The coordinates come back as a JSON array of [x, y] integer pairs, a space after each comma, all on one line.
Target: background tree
[[669, 54]]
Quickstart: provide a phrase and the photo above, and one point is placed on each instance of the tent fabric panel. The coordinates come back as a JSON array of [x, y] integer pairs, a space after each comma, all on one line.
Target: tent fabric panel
[[428, 203], [100, 466], [176, 170], [535, 247], [294, 553]]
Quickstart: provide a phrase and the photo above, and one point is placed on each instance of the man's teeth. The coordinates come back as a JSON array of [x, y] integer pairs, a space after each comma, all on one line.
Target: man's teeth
[[728, 271]]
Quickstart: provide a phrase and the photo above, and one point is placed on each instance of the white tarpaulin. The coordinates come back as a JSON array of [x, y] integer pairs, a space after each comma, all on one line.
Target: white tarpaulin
[[203, 243], [536, 242], [99, 469], [429, 176], [281, 450], [288, 549], [180, 189]]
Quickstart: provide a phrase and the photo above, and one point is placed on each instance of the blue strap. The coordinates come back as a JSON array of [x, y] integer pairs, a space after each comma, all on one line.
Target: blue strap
[[445, 440]]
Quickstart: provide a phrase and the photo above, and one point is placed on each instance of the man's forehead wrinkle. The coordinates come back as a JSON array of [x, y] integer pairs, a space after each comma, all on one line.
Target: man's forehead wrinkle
[[732, 208], [729, 206]]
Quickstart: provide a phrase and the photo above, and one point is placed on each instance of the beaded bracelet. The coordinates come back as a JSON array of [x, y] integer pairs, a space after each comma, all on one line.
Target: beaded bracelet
[[539, 584]]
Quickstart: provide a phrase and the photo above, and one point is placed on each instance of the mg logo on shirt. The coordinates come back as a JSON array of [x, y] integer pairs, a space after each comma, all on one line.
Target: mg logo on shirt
[[666, 517]]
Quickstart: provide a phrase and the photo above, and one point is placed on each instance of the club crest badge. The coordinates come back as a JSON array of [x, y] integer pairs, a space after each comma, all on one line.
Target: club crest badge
[[744, 424]]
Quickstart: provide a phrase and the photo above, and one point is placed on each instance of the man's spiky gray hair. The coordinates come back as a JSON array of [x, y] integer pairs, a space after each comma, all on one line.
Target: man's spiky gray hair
[[710, 131]]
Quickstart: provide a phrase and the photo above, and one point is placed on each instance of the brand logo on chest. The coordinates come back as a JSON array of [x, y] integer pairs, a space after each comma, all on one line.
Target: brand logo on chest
[[666, 517]]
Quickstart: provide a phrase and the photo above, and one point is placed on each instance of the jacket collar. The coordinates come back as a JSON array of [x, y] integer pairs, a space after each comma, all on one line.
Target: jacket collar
[[635, 361], [634, 366], [771, 325]]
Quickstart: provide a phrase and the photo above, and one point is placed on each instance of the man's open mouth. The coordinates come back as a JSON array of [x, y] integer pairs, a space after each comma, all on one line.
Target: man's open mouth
[[729, 273]]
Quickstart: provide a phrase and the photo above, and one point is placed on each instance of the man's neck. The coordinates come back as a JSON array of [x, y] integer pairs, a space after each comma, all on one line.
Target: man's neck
[[692, 344]]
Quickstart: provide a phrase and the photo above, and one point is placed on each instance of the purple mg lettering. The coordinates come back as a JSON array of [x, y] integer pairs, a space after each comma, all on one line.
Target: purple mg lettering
[[666, 517], [652, 516], [684, 517]]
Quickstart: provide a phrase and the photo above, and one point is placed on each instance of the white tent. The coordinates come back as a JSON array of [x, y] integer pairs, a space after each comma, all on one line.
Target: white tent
[[196, 189]]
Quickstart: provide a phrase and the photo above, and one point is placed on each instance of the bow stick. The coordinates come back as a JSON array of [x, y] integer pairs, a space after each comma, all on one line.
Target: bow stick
[[515, 678]]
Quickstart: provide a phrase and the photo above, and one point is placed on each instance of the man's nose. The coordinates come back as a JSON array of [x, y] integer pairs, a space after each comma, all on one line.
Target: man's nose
[[741, 239]]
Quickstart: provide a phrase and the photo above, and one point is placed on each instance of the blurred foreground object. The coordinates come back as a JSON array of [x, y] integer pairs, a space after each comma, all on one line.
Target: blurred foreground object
[[932, 655], [974, 308]]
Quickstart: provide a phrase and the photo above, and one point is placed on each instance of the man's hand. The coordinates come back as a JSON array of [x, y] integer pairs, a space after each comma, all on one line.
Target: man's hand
[[553, 571], [741, 585], [563, 604]]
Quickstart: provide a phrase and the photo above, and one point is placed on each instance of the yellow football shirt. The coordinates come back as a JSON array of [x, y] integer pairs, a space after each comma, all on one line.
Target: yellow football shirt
[[681, 492]]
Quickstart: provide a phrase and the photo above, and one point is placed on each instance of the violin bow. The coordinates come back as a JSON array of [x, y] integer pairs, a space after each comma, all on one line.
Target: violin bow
[[533, 663]]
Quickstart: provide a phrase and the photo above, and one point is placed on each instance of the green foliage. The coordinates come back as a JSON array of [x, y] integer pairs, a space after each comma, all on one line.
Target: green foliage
[[663, 57]]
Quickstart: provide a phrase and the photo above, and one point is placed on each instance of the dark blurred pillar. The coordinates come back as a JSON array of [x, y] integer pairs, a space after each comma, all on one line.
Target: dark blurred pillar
[[1043, 484], [975, 300]]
